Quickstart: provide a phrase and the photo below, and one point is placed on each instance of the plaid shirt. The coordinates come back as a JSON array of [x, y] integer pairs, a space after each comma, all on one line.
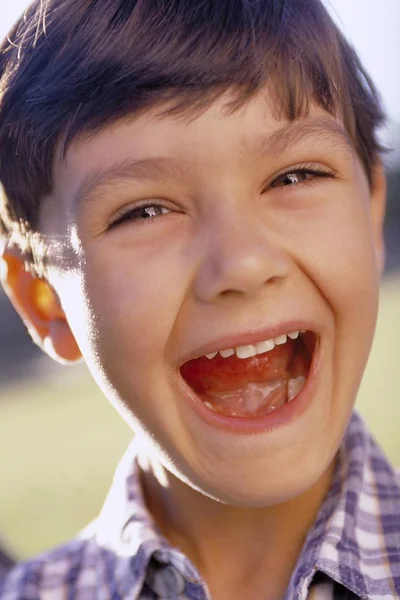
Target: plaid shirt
[[6, 563], [353, 550]]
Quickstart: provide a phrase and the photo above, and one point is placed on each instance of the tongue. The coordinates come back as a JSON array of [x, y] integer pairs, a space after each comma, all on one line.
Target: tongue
[[253, 399], [248, 387]]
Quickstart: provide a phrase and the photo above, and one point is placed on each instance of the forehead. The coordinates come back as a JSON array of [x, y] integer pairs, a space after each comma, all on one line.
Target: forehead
[[257, 123], [156, 144]]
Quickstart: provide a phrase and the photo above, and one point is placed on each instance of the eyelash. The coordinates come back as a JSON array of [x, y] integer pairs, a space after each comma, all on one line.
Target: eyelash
[[306, 170], [130, 215]]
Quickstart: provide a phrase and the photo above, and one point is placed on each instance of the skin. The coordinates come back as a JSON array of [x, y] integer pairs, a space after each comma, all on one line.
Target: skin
[[234, 253]]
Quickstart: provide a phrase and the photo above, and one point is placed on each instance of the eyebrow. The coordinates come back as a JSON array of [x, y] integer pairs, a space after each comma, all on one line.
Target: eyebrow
[[320, 129], [144, 169], [316, 129]]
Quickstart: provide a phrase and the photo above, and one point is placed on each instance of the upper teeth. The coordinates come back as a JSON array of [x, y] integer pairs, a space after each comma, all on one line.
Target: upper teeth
[[253, 350]]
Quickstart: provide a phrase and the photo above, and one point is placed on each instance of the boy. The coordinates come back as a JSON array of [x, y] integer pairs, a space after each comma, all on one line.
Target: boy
[[193, 203]]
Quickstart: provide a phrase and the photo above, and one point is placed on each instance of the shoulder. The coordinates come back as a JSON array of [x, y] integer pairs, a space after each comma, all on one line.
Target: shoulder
[[52, 574]]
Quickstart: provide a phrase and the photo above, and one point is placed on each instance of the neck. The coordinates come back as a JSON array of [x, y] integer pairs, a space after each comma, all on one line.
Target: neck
[[233, 547]]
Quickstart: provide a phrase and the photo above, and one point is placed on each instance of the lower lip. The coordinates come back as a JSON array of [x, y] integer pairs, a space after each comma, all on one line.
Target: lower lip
[[277, 419]]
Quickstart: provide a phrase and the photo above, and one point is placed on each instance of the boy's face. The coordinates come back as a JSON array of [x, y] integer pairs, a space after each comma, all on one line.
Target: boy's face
[[234, 249]]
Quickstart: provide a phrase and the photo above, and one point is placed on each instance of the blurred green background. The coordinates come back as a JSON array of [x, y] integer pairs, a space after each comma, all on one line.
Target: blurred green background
[[60, 440]]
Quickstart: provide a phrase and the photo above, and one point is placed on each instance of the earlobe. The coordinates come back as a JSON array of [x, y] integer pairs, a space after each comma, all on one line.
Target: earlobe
[[378, 209], [38, 306]]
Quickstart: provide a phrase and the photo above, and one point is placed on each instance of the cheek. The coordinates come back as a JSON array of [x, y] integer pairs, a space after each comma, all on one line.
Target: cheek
[[134, 300], [352, 275], [339, 258], [333, 245]]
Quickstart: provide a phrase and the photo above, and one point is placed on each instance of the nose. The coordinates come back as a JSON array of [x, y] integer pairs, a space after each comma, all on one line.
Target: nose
[[240, 257]]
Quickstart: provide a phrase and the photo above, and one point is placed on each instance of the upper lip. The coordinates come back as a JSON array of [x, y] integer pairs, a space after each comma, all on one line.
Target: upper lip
[[251, 337]]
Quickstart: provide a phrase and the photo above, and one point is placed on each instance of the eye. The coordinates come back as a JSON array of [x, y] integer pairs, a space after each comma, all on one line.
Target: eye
[[146, 212], [301, 176]]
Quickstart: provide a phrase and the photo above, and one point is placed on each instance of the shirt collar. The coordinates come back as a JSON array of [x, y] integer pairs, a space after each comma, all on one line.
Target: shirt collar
[[355, 540], [356, 537], [126, 530]]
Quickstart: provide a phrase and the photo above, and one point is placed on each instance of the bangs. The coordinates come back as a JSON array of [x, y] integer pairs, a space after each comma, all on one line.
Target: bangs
[[127, 56], [159, 53]]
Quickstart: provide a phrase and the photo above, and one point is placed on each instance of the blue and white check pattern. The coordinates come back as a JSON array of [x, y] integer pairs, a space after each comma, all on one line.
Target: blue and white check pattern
[[353, 550]]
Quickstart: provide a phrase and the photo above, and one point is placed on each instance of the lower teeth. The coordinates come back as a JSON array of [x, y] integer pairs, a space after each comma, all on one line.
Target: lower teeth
[[255, 399]]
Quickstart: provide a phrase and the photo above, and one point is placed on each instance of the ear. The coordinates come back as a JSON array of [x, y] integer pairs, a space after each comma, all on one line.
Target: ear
[[39, 307], [378, 209]]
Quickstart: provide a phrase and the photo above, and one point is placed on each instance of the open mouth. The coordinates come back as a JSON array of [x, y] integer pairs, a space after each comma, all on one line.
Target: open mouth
[[254, 380]]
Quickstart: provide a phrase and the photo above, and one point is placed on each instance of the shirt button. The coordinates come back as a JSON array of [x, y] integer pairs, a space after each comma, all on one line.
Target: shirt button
[[167, 582]]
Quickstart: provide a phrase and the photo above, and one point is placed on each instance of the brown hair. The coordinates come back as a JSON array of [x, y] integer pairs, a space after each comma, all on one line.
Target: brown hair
[[70, 67]]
